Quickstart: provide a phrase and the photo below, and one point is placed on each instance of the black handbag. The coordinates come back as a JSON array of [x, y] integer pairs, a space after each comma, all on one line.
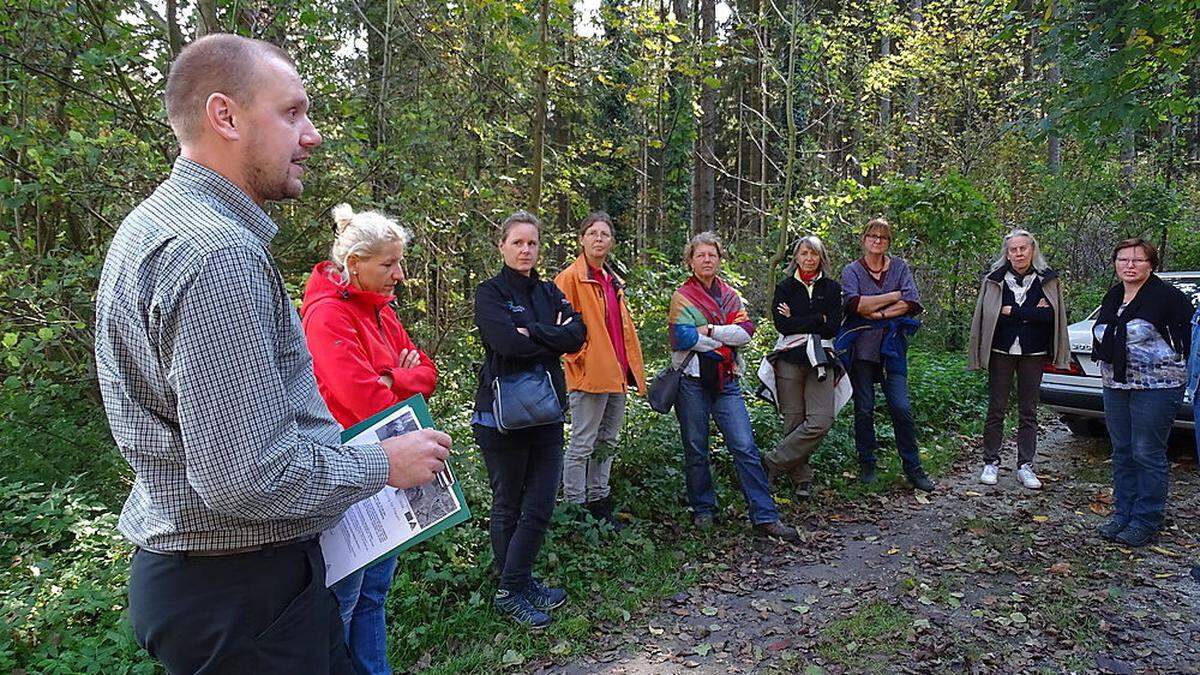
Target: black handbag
[[664, 388], [525, 399]]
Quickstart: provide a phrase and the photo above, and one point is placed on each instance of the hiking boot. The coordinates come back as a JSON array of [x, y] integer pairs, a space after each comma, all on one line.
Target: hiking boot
[[1135, 536], [866, 473], [518, 608], [922, 483], [1109, 531], [1028, 478], [778, 530], [544, 598], [990, 475], [804, 489], [602, 511], [703, 521]]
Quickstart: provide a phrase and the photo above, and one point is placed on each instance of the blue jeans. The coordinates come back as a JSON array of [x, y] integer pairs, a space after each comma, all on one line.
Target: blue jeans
[[1196, 420], [692, 409], [360, 599], [1139, 422], [863, 376]]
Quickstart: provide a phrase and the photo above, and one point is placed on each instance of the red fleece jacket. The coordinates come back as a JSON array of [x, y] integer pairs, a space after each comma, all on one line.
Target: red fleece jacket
[[355, 337]]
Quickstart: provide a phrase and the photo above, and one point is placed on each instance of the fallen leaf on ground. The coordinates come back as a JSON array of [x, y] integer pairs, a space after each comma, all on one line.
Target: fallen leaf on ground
[[1063, 568]]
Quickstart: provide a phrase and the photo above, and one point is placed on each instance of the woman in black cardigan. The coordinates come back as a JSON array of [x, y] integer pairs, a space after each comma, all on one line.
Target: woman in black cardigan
[[806, 309], [525, 324], [1141, 339]]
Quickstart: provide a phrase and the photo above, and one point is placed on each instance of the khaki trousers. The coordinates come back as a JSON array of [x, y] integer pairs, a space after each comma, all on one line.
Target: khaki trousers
[[807, 407]]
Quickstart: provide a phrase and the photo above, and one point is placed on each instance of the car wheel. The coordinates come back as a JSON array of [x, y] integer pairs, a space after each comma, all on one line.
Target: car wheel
[[1084, 426]]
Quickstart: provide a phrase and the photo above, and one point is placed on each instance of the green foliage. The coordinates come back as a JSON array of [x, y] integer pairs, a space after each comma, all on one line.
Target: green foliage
[[1121, 62], [63, 594]]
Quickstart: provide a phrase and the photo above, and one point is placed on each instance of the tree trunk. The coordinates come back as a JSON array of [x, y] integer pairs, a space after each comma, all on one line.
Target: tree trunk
[[561, 122], [704, 175], [1053, 80], [885, 101], [789, 163], [206, 18], [174, 35], [913, 106], [377, 24], [538, 135], [1193, 128], [1128, 156]]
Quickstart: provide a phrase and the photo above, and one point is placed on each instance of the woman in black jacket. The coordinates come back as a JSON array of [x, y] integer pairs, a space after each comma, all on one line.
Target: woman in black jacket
[[525, 324], [806, 309]]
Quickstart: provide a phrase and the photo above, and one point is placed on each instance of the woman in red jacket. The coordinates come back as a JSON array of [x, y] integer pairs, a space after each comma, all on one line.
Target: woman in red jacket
[[364, 362]]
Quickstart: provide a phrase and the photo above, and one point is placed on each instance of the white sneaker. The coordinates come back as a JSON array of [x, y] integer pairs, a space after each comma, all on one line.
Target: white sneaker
[[990, 474], [1028, 478]]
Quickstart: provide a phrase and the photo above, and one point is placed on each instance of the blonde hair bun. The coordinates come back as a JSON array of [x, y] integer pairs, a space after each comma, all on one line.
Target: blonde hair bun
[[343, 215]]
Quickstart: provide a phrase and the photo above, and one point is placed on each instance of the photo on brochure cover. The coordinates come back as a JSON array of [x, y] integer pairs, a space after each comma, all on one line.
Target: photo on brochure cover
[[430, 502]]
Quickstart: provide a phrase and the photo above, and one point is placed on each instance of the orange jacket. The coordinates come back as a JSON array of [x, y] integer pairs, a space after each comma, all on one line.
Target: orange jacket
[[594, 368]]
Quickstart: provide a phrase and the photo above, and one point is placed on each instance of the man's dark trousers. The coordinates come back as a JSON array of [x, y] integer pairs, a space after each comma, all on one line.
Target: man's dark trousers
[[262, 612]]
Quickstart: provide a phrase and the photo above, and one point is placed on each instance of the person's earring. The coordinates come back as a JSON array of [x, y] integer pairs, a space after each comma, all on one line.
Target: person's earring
[[354, 272]]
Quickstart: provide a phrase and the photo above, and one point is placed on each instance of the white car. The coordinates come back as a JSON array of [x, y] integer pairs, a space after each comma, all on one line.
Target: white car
[[1075, 393]]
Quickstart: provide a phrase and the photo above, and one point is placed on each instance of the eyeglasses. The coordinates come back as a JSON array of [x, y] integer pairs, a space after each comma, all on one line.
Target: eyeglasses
[[598, 234], [877, 237], [1132, 261]]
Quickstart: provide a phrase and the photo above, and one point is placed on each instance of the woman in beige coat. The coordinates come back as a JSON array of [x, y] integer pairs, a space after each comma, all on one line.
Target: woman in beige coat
[[1020, 324]]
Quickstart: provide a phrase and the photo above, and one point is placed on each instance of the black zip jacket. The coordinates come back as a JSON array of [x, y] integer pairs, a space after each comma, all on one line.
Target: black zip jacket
[[821, 314], [511, 300]]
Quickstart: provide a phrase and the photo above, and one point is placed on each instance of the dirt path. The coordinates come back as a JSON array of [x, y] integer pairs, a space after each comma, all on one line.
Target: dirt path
[[973, 578]]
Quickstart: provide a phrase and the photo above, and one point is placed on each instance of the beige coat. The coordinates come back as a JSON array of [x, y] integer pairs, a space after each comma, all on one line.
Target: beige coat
[[987, 311]]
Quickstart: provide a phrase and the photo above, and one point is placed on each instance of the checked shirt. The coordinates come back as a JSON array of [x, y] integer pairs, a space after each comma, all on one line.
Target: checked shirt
[[207, 382]]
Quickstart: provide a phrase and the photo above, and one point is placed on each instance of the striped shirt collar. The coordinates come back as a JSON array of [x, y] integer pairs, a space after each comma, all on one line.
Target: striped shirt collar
[[191, 174]]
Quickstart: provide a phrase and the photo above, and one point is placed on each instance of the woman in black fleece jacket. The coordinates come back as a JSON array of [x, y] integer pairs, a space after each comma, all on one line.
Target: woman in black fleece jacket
[[807, 302], [524, 323]]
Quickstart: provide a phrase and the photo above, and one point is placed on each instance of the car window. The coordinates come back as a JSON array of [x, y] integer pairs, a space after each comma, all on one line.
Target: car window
[[1190, 287]]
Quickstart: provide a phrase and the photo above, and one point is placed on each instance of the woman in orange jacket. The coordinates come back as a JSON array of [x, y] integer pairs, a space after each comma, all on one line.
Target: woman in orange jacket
[[600, 374]]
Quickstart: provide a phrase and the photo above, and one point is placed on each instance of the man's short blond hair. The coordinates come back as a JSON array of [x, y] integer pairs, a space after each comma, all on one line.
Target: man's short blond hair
[[220, 62]]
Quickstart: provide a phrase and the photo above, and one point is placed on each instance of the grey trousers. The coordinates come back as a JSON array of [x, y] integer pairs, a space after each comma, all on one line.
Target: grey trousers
[[1028, 371], [807, 407], [596, 421]]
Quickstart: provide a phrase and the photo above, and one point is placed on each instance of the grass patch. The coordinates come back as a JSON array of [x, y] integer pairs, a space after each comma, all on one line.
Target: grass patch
[[876, 629]]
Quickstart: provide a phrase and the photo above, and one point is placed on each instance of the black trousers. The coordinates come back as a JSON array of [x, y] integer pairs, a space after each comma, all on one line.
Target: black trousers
[[1028, 372], [524, 469], [262, 612]]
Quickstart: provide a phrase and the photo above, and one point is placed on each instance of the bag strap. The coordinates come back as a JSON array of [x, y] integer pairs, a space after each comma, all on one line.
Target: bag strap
[[686, 360]]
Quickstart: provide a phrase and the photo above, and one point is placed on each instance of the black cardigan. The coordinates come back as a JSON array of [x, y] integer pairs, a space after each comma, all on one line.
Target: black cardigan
[[820, 314], [511, 300], [1156, 302], [1032, 324]]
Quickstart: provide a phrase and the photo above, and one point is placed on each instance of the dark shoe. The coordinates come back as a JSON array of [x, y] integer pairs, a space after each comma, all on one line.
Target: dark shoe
[[771, 469], [804, 489], [1109, 531], [602, 511], [1135, 536], [922, 483], [544, 598], [777, 530], [518, 608], [702, 521], [866, 473]]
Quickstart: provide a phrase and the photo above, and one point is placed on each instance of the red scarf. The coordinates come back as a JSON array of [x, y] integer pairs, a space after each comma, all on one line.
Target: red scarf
[[729, 311]]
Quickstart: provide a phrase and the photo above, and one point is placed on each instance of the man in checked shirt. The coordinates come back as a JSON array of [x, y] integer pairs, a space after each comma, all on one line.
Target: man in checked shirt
[[210, 393]]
